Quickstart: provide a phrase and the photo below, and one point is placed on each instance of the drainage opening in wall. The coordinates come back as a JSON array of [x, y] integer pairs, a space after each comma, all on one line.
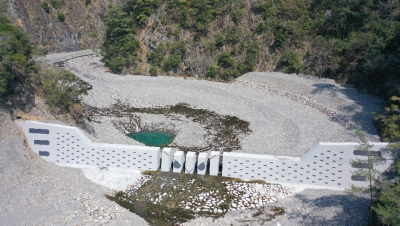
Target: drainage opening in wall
[[153, 138]]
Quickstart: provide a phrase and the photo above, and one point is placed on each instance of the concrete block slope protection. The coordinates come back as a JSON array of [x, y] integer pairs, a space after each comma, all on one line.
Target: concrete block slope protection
[[69, 146], [325, 165]]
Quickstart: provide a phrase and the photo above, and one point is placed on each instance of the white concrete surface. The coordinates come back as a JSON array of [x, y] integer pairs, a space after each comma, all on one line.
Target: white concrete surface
[[190, 164], [179, 160]]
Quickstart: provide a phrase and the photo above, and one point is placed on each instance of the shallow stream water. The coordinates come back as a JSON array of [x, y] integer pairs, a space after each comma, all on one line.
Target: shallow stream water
[[153, 138]]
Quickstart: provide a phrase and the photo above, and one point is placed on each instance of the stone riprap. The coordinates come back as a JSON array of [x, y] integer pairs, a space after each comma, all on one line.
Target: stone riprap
[[326, 164], [245, 196]]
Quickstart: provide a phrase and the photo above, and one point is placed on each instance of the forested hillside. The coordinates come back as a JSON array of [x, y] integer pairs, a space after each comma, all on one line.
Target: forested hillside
[[351, 41], [21, 78]]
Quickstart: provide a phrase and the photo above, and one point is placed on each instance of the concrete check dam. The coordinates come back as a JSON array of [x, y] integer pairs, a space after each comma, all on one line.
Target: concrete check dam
[[326, 165]]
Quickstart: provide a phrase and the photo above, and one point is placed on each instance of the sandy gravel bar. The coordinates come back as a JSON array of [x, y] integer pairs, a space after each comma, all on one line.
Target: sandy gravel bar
[[288, 114]]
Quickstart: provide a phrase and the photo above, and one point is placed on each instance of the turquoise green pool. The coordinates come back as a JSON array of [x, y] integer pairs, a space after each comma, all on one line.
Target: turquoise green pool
[[153, 138]]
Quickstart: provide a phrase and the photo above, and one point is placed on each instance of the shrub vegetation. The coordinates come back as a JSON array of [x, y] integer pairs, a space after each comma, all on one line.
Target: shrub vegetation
[[350, 41], [45, 6], [57, 4], [61, 16], [19, 76]]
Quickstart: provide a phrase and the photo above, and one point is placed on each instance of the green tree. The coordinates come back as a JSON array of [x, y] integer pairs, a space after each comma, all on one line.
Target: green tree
[[45, 6], [57, 4], [225, 60], [290, 62], [62, 90], [388, 206], [172, 62], [61, 16], [141, 10], [212, 71], [370, 173], [153, 70], [220, 40], [251, 59], [120, 45], [178, 48], [233, 35], [15, 51], [157, 56], [388, 123]]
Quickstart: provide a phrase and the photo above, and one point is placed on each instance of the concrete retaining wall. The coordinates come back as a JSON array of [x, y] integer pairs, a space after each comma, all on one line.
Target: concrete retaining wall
[[326, 164], [69, 145]]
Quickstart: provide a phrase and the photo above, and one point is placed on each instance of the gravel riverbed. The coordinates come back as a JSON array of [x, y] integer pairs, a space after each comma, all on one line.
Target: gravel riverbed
[[288, 114]]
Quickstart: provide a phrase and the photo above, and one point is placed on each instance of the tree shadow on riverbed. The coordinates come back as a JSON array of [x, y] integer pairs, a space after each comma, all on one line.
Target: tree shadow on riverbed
[[332, 210], [361, 106]]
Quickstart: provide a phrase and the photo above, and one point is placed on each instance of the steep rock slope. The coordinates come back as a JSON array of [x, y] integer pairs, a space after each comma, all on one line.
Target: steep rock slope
[[83, 26]]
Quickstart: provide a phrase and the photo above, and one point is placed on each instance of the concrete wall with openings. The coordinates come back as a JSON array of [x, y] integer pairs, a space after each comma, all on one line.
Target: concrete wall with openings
[[66, 145], [326, 164]]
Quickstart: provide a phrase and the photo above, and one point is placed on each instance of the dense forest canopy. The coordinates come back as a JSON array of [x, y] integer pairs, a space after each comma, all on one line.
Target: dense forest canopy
[[351, 41]]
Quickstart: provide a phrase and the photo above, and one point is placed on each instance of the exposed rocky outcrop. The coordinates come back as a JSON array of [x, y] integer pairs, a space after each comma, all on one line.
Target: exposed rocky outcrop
[[83, 26]]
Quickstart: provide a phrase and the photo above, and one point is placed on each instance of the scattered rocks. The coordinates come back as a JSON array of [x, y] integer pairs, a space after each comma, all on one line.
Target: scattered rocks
[[299, 98]]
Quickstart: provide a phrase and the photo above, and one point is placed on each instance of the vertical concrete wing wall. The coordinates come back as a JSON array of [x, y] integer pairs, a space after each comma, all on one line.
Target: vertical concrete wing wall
[[68, 145]]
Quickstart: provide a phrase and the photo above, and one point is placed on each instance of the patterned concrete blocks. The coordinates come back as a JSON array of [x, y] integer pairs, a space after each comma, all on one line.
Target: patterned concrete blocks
[[202, 163], [179, 160], [190, 164], [66, 145], [327, 164], [167, 158], [214, 163]]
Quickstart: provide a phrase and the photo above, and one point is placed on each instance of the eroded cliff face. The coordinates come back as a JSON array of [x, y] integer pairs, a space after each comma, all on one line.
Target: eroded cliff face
[[83, 26]]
